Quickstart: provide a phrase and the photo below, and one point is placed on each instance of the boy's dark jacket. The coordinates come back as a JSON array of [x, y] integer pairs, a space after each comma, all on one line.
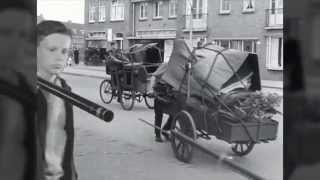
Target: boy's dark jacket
[[68, 161]]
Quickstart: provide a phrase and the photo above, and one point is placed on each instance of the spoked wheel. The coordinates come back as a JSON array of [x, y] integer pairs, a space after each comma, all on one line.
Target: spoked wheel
[[149, 100], [106, 91], [242, 148], [127, 99], [183, 123]]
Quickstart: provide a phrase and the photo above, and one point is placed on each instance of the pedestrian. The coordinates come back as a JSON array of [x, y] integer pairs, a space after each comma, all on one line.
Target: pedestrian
[[86, 55], [113, 50], [200, 42], [55, 115], [160, 104], [69, 61], [18, 147], [76, 56]]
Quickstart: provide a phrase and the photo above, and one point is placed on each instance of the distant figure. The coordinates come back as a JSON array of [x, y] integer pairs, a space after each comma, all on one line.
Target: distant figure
[[200, 42], [76, 56], [113, 50], [86, 54]]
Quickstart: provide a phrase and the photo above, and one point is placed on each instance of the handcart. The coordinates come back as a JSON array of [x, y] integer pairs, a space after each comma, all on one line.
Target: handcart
[[200, 85], [131, 76]]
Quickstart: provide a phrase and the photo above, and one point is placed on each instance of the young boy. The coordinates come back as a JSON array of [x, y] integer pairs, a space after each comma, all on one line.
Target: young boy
[[55, 116]]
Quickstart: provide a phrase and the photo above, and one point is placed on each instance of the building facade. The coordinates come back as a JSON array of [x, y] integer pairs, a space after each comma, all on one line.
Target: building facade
[[250, 25], [155, 21], [108, 21], [78, 34]]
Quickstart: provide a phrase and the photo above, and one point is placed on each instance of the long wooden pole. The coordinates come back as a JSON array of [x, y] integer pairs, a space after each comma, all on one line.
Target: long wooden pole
[[226, 161]]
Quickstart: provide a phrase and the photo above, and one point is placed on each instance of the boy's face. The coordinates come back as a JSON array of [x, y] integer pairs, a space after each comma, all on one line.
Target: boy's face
[[52, 53]]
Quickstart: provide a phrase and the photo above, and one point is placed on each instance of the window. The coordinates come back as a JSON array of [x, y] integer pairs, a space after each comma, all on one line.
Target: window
[[225, 6], [224, 43], [242, 45], [117, 10], [102, 13], [157, 9], [250, 46], [276, 5], [236, 44], [92, 11], [173, 8], [198, 7], [143, 11], [275, 53], [248, 5]]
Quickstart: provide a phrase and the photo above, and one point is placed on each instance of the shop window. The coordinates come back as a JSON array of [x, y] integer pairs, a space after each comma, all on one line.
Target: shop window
[[274, 53]]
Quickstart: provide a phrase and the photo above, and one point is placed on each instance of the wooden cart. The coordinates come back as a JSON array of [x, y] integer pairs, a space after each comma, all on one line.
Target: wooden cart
[[196, 112], [130, 76]]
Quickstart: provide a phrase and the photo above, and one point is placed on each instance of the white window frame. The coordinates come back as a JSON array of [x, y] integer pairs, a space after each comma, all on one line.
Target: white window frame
[[102, 13], [173, 6], [272, 63], [225, 11], [117, 10], [92, 11], [143, 6], [157, 5], [254, 43], [245, 3], [199, 12]]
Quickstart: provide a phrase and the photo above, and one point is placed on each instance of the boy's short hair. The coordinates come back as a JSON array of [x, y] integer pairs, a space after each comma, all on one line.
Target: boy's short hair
[[112, 43], [46, 28]]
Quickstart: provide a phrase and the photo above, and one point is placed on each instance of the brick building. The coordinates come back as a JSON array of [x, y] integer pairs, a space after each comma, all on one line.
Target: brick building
[[107, 21], [78, 32], [155, 21], [250, 25]]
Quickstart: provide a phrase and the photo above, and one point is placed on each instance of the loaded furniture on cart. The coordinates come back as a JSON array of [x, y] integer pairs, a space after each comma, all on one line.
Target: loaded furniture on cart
[[212, 91], [131, 75]]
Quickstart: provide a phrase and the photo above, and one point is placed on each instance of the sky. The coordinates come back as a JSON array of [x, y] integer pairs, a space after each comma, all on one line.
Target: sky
[[61, 10]]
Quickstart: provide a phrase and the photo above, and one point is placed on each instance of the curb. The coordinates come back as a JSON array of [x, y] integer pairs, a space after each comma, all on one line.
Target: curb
[[86, 75]]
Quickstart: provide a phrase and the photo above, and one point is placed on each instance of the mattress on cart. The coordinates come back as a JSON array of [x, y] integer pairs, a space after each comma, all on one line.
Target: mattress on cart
[[213, 68]]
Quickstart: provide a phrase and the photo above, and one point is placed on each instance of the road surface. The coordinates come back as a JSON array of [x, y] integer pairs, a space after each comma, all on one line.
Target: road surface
[[125, 148]]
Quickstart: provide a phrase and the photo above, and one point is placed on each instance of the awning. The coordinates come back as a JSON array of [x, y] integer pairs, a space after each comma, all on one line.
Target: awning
[[152, 37], [96, 38], [134, 1]]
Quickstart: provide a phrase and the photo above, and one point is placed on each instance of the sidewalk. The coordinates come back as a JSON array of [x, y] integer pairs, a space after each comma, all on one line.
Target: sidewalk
[[89, 71], [99, 72]]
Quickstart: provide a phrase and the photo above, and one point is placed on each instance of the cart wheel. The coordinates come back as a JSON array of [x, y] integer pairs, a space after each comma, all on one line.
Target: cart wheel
[[149, 100], [127, 99], [183, 122], [106, 91], [242, 148]]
